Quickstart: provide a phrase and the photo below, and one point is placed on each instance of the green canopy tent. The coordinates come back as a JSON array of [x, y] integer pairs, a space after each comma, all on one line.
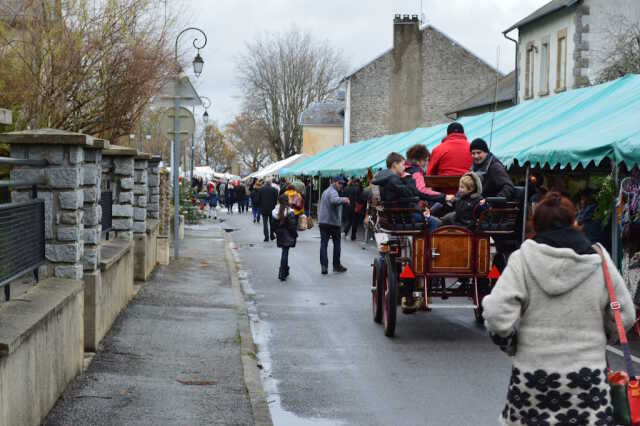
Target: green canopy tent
[[571, 129]]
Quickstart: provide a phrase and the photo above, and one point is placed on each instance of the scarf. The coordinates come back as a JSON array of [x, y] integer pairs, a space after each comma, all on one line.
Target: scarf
[[565, 237]]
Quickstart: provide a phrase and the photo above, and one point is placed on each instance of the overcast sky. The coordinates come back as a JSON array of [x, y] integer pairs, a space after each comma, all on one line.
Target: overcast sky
[[361, 29]]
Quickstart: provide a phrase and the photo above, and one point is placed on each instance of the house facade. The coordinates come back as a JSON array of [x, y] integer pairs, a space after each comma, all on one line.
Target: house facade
[[564, 44], [322, 125], [414, 84]]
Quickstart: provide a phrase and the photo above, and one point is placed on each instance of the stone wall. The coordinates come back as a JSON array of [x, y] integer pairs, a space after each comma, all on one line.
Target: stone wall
[[118, 164]]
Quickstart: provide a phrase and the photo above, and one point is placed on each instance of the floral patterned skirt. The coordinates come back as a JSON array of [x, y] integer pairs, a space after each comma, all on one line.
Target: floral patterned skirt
[[547, 398]]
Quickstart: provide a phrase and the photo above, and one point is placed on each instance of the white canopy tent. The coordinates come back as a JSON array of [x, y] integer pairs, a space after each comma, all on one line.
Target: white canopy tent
[[273, 169]]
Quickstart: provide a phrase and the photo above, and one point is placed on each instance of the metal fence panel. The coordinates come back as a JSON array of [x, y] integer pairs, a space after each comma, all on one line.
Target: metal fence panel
[[106, 201], [21, 239]]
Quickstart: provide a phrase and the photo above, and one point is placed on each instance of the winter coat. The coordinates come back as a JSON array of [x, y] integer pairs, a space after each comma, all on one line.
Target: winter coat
[[392, 186], [241, 192], [425, 193], [451, 158], [495, 179], [329, 209], [254, 195], [267, 199], [465, 207], [286, 232], [558, 302]]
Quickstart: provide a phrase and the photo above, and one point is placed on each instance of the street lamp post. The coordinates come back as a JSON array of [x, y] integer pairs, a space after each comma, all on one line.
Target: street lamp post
[[205, 119], [197, 70]]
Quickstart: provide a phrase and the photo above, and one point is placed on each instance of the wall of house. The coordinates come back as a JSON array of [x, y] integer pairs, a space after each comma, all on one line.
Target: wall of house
[[606, 18], [316, 139], [451, 74], [536, 32]]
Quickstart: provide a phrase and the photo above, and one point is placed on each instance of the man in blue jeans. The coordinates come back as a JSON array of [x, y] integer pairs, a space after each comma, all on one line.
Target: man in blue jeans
[[329, 222]]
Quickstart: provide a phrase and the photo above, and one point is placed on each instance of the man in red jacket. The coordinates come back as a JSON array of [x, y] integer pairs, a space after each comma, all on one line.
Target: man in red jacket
[[452, 157]]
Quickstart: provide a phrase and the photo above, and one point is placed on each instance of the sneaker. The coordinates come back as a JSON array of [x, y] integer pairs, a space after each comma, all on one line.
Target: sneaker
[[325, 270], [339, 268]]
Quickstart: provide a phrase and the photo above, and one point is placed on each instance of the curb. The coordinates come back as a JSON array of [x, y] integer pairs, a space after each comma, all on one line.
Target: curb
[[253, 383]]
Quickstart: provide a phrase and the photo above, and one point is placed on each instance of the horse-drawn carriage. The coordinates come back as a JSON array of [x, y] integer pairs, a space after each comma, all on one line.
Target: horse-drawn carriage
[[413, 265]]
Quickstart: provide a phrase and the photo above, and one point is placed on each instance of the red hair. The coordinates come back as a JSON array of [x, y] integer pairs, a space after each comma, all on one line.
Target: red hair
[[554, 211]]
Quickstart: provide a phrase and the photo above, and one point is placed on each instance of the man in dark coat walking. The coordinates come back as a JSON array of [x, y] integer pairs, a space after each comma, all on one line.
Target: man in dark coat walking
[[267, 198], [495, 179]]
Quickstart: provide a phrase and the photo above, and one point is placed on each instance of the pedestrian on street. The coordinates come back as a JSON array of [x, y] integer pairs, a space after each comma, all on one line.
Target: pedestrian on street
[[230, 197], [352, 192], [241, 197], [255, 208], [212, 200], [286, 226], [329, 222], [551, 310], [267, 200]]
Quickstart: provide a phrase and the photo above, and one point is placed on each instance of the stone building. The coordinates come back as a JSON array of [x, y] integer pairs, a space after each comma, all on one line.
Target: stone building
[[564, 44], [423, 77], [495, 96]]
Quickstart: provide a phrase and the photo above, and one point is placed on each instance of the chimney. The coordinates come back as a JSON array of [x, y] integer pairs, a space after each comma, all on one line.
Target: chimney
[[406, 74]]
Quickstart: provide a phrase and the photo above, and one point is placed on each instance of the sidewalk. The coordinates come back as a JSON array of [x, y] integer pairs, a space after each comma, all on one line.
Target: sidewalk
[[175, 356]]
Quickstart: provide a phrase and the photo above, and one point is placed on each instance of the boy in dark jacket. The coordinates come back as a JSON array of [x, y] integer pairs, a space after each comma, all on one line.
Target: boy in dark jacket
[[467, 202]]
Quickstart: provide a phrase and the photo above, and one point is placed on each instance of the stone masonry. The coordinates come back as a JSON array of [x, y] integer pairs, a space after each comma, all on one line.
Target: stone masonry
[[119, 162], [450, 75], [165, 204], [153, 181], [92, 220], [140, 193], [68, 155]]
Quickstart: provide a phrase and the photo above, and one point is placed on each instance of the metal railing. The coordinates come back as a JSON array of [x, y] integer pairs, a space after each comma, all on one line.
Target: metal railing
[[22, 246]]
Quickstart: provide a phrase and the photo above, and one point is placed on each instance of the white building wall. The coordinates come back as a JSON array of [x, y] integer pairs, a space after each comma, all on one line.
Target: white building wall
[[536, 32], [606, 18]]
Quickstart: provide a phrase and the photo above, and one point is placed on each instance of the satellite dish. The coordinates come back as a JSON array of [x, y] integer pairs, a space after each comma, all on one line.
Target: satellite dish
[[187, 123]]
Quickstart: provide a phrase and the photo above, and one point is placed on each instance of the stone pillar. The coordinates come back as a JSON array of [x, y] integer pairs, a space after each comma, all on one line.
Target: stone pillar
[[153, 180], [118, 164], [63, 192], [140, 194], [91, 184], [164, 254]]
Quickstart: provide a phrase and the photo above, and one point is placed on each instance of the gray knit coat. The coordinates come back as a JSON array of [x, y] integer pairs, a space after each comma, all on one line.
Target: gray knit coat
[[557, 301]]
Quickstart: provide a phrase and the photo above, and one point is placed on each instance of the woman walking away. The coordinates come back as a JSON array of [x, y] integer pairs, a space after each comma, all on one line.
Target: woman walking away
[[286, 232], [255, 206], [550, 310]]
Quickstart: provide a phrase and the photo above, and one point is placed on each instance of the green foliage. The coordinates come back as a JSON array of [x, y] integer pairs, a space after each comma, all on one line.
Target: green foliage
[[605, 199]]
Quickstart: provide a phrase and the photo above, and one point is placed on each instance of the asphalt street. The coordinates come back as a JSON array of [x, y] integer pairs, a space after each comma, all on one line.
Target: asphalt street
[[327, 362]]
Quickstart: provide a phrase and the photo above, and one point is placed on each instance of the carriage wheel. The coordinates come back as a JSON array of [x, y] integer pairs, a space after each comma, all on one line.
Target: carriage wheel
[[390, 298], [376, 289]]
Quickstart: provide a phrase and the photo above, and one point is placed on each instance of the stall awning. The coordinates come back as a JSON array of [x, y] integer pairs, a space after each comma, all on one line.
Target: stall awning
[[575, 128], [275, 168]]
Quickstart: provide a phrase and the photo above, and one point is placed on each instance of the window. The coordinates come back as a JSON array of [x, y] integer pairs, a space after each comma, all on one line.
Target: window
[[544, 68], [529, 71], [561, 68]]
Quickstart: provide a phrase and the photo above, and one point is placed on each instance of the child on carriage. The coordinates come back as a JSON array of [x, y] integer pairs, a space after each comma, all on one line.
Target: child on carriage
[[397, 186], [468, 202]]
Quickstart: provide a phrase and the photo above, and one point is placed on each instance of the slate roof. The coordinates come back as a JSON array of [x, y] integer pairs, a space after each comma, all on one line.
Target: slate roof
[[326, 113], [487, 96], [547, 9]]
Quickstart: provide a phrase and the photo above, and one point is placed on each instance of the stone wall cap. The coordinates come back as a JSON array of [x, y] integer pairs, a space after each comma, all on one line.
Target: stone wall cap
[[143, 156], [21, 318], [117, 150], [156, 158], [112, 251], [50, 137]]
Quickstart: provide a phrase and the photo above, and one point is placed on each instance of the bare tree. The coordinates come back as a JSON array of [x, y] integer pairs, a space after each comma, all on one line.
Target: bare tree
[[217, 153], [623, 54], [87, 68], [245, 136], [280, 74]]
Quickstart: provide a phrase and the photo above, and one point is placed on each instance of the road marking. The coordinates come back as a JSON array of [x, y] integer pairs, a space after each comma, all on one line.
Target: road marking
[[620, 353]]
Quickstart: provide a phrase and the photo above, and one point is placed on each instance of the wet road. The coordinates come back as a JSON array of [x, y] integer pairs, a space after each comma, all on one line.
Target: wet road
[[326, 361]]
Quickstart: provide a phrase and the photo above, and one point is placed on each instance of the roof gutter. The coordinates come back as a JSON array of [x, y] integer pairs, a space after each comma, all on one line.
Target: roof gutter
[[515, 99]]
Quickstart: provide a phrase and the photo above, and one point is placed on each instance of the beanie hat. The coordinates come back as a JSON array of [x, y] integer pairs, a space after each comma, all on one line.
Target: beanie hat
[[479, 144], [455, 128]]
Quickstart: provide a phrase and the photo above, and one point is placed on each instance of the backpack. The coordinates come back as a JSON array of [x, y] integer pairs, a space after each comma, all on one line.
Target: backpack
[[297, 203]]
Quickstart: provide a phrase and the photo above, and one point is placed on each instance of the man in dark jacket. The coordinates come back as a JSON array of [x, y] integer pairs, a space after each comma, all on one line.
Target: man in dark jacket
[[267, 200], [495, 179], [352, 192]]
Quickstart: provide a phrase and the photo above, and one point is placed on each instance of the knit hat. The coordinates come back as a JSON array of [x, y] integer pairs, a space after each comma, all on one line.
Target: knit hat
[[455, 128], [479, 144]]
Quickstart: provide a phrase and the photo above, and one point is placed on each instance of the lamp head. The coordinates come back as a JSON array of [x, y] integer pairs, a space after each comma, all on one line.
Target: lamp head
[[205, 117], [197, 65]]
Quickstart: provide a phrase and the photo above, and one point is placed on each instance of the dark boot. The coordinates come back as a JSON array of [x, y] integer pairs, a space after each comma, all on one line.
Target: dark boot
[[282, 275], [286, 272]]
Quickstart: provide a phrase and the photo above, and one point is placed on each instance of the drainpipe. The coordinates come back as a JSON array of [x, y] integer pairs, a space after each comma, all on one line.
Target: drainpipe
[[516, 43]]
